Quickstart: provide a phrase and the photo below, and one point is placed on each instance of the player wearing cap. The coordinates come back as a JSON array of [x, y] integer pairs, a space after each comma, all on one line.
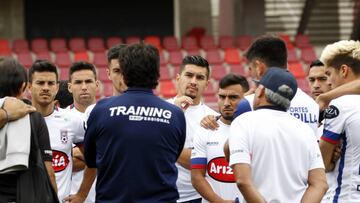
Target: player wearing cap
[[276, 157], [210, 172], [341, 124], [64, 128]]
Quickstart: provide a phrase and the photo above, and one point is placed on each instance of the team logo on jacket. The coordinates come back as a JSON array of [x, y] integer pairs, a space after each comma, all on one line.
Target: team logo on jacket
[[60, 160], [64, 136], [331, 112], [219, 169]]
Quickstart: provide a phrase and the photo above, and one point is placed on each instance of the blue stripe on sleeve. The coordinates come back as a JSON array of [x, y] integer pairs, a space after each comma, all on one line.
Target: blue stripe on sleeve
[[198, 161], [243, 107], [331, 135]]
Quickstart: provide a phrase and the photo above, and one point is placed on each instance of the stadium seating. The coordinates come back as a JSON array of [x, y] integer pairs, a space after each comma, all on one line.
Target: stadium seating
[[112, 41], [81, 56], [132, 40], [58, 45], [45, 55], [226, 42], [39, 45], [100, 59], [165, 74], [232, 56], [170, 43], [243, 42], [20, 46], [25, 59], [189, 43], [153, 40], [175, 58], [96, 44], [5, 48], [217, 72], [63, 60], [208, 43], [77, 44], [167, 88], [213, 57]]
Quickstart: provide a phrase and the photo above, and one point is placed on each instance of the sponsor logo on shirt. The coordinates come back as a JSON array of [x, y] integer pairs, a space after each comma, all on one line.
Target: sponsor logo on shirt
[[60, 160], [141, 113], [331, 112], [212, 143], [303, 114], [219, 169]]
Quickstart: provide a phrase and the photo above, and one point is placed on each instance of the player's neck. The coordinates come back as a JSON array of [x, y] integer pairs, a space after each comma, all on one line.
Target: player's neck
[[227, 122], [45, 110]]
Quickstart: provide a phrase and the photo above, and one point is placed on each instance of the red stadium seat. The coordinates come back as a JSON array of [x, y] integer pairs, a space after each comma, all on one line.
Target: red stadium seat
[[175, 58], [167, 89], [77, 44], [64, 74], [302, 41], [237, 69], [189, 43], [112, 41], [25, 59], [107, 89], [209, 91], [153, 40], [218, 72], [193, 53], [210, 98], [63, 60], [21, 46], [243, 42], [100, 59], [164, 73], [170, 43], [58, 45], [303, 84], [232, 56], [213, 57], [226, 42], [292, 57], [308, 55], [132, 40], [208, 43], [297, 70], [44, 56], [81, 56], [96, 44], [163, 61], [39, 45], [5, 49]]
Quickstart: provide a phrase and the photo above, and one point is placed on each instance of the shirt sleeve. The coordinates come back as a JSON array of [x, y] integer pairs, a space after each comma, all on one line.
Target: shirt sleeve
[[43, 135], [333, 124], [239, 142], [315, 156], [243, 107], [78, 126], [90, 140], [198, 153]]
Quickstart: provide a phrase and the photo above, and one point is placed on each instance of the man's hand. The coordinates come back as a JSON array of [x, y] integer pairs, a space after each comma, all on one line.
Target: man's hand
[[323, 101], [183, 102], [209, 122], [336, 154], [76, 198], [16, 108]]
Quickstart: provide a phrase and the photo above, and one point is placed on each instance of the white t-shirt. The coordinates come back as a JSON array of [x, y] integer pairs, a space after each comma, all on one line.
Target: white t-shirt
[[208, 154], [302, 107], [280, 149], [342, 125], [65, 129], [77, 177], [193, 116]]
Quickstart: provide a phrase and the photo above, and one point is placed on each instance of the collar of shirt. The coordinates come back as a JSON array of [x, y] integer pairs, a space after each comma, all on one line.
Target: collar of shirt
[[277, 108], [139, 89]]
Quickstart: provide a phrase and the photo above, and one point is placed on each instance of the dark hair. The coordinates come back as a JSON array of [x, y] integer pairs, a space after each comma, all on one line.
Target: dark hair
[[339, 60], [42, 66], [114, 51], [81, 65], [195, 60], [232, 79], [12, 77], [140, 65], [271, 50], [316, 62], [64, 97]]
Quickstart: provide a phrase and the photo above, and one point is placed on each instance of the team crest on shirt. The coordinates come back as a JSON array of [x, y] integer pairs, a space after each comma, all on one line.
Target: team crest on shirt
[[331, 112], [219, 169], [64, 136]]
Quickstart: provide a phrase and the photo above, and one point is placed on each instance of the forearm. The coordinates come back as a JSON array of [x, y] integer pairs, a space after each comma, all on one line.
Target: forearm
[[88, 180], [204, 189], [3, 118], [250, 193], [184, 158], [78, 165], [314, 194], [51, 174]]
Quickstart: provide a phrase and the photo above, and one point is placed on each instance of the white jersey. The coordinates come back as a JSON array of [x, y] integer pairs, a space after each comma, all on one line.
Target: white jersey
[[77, 177], [302, 106], [208, 154], [193, 116], [65, 129], [342, 125], [280, 149]]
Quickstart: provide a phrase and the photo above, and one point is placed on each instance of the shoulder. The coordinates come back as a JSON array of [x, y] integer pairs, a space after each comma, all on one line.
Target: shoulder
[[209, 111]]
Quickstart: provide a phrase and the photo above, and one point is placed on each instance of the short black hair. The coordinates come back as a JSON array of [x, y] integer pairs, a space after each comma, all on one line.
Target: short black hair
[[350, 61], [64, 97], [114, 51], [316, 62], [42, 66], [81, 65], [196, 60], [233, 79], [140, 65], [269, 49], [12, 77]]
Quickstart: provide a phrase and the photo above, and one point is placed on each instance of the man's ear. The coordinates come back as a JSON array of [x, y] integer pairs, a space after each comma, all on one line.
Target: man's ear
[[344, 70], [260, 68], [69, 87]]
